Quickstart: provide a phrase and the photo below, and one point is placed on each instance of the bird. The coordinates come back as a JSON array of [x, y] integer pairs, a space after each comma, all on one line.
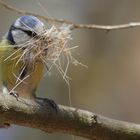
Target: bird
[[20, 78]]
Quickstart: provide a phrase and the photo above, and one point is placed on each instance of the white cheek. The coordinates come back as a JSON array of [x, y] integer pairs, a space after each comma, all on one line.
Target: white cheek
[[5, 90], [20, 36]]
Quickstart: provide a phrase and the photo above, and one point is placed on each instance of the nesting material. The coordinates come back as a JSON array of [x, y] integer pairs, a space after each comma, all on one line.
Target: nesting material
[[50, 47]]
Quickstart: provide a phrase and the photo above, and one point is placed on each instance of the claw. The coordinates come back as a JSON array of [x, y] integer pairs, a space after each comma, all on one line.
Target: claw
[[49, 101], [15, 94]]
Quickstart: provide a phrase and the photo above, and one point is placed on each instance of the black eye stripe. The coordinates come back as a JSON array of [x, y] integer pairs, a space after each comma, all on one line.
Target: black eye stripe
[[28, 32], [10, 35]]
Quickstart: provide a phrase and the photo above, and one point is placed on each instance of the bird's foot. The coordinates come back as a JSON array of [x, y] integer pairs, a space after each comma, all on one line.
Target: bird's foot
[[14, 94], [48, 101]]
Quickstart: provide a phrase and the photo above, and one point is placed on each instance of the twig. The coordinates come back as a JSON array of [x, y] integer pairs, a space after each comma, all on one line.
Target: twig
[[64, 119], [74, 25]]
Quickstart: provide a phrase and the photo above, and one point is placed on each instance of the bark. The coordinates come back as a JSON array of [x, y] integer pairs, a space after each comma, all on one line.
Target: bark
[[44, 115]]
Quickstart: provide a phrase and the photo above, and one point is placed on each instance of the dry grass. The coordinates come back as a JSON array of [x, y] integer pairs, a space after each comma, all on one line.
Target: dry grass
[[51, 47]]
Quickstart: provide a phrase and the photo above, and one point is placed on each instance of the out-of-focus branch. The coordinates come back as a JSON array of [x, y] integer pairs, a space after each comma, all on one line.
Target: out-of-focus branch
[[41, 115], [74, 25]]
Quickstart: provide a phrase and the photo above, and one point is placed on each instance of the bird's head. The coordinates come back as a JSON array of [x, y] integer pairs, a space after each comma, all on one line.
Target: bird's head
[[23, 29]]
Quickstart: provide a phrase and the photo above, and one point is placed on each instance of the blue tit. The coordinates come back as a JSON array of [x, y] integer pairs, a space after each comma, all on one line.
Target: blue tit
[[22, 77]]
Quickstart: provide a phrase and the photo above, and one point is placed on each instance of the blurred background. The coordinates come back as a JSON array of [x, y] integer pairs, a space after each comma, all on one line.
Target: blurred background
[[111, 84]]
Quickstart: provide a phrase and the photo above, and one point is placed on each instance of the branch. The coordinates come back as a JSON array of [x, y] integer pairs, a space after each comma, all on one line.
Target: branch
[[74, 25], [41, 115]]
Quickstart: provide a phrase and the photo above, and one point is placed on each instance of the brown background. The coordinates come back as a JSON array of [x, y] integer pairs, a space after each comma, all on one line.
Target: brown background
[[111, 84]]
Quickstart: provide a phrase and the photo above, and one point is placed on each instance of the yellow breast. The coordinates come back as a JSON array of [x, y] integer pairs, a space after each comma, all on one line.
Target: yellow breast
[[13, 67]]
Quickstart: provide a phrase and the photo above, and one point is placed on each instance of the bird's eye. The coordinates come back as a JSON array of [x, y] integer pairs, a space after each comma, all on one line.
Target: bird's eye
[[23, 29], [30, 33]]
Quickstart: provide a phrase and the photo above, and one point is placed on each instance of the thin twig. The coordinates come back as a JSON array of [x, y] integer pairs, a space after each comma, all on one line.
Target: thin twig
[[74, 25]]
